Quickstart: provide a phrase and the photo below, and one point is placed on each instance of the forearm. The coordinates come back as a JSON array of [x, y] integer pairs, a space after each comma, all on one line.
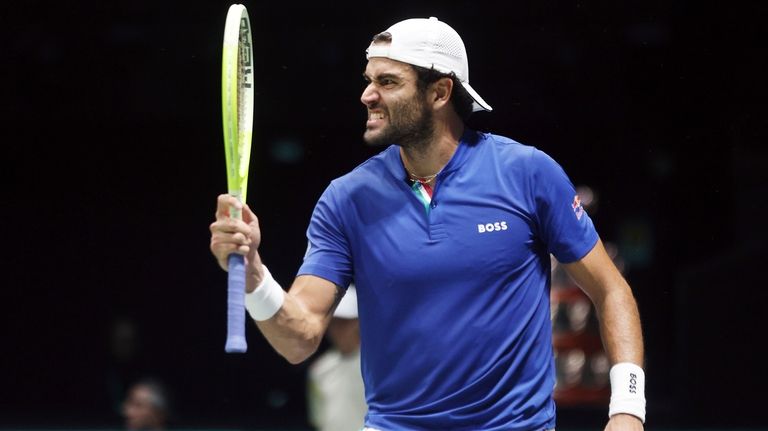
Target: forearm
[[293, 332], [614, 304], [623, 342], [621, 333], [620, 325], [294, 322]]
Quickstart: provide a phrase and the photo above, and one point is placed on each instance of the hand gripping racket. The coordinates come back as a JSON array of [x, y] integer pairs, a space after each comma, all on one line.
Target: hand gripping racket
[[237, 115]]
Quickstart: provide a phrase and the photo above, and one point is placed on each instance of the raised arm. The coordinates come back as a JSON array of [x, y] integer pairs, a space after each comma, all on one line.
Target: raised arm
[[621, 333], [293, 322]]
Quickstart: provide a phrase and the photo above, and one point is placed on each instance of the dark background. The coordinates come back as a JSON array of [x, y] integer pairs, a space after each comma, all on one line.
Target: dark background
[[112, 157]]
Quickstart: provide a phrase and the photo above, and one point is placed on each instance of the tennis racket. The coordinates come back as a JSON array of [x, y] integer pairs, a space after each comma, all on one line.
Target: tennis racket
[[237, 115]]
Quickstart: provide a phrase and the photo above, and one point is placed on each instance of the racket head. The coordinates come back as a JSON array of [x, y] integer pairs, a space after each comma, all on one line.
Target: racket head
[[237, 98]]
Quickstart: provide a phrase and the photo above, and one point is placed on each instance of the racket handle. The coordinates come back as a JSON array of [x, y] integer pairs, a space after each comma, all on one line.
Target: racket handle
[[236, 305]]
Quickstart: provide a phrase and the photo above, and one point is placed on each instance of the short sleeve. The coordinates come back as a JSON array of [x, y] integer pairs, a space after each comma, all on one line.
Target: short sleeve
[[328, 254], [564, 225]]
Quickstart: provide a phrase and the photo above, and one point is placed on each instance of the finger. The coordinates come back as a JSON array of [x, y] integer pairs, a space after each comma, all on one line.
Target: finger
[[227, 249], [222, 206], [230, 226], [224, 261], [222, 250], [223, 203], [223, 244], [240, 238]]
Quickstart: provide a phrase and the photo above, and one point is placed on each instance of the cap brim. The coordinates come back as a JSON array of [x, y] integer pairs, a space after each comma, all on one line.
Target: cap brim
[[479, 104]]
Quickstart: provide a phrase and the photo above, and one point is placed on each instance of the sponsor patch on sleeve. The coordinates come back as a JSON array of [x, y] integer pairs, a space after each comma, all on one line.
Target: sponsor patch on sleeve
[[578, 209]]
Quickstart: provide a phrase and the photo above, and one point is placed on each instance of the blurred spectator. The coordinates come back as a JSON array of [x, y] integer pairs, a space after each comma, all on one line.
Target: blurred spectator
[[336, 396], [146, 407], [125, 360]]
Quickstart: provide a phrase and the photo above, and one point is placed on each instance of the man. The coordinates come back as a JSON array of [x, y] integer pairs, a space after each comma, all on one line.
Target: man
[[446, 234], [146, 406], [335, 395]]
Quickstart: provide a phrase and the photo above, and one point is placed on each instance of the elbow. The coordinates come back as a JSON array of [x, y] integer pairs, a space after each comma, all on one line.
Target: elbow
[[300, 350], [299, 339], [298, 355], [294, 360]]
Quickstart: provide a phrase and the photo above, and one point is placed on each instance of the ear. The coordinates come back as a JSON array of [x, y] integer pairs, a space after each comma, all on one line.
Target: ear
[[441, 92]]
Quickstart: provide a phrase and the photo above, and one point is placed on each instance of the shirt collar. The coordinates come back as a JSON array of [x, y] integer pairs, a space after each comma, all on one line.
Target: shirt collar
[[469, 140]]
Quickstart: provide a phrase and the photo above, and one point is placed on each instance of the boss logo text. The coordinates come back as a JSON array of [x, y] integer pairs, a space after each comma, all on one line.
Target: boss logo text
[[491, 227], [632, 383]]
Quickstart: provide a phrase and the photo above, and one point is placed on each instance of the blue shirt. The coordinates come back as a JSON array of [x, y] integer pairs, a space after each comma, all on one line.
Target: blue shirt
[[453, 302]]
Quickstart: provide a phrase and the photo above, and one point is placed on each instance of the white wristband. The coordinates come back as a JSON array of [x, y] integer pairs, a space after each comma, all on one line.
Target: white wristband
[[627, 390], [266, 299]]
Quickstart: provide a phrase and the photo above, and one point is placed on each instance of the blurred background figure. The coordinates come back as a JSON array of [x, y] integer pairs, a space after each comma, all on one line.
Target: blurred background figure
[[336, 398], [125, 360], [146, 406]]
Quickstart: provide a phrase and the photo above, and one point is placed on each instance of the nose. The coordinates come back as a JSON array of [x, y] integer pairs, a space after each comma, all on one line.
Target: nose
[[369, 96]]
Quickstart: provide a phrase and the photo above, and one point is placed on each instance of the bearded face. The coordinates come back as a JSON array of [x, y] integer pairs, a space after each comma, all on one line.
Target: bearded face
[[397, 109], [408, 123]]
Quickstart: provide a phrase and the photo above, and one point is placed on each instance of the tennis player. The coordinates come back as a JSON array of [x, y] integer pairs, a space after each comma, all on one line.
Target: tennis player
[[447, 234]]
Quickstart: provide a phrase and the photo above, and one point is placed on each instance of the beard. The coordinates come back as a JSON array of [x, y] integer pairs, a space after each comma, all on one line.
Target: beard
[[410, 126]]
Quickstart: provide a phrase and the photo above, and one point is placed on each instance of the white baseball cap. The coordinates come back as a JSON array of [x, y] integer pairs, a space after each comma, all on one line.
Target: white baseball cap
[[347, 308], [429, 43]]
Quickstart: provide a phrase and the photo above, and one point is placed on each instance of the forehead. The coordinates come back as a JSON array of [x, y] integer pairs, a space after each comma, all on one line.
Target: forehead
[[378, 66]]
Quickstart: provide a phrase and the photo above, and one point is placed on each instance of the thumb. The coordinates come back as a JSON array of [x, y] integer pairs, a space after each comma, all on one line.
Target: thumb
[[250, 218], [248, 215], [253, 221]]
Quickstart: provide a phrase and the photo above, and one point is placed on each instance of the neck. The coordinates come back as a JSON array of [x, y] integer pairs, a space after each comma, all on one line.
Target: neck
[[425, 162]]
